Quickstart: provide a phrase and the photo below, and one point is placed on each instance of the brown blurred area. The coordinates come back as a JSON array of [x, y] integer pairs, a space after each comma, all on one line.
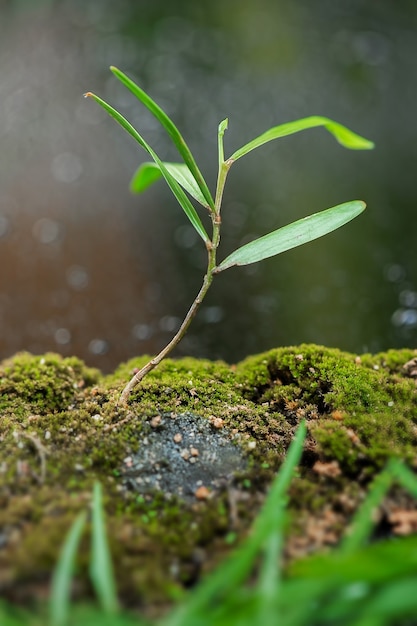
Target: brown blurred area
[[70, 280], [87, 269], [67, 285]]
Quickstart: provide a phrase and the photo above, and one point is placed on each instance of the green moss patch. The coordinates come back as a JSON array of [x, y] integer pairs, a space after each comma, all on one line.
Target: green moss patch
[[185, 467]]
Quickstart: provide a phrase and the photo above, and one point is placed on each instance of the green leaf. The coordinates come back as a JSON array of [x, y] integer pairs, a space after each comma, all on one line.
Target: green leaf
[[343, 135], [293, 235], [223, 126], [176, 189], [62, 577], [101, 570], [363, 523], [171, 129], [222, 129], [363, 519], [148, 173]]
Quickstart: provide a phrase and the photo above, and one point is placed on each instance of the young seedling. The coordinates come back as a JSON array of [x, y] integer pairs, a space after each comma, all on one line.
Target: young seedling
[[186, 177]]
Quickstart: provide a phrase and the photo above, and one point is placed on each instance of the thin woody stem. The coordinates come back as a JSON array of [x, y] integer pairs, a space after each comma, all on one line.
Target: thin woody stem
[[208, 278], [171, 345]]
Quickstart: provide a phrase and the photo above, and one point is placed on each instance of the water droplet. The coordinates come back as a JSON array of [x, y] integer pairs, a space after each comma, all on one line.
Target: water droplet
[[142, 331], [77, 277], [62, 336], [185, 236], [212, 314], [408, 298], [169, 323], [405, 317], [66, 167], [98, 346], [46, 230], [394, 273]]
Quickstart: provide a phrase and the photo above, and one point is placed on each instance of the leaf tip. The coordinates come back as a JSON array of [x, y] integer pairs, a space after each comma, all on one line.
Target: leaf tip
[[88, 94], [366, 144], [224, 125]]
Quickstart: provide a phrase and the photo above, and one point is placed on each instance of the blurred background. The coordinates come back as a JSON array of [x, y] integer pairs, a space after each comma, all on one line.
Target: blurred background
[[87, 269]]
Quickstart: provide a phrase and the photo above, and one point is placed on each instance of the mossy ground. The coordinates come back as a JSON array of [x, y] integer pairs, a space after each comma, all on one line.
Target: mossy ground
[[61, 429]]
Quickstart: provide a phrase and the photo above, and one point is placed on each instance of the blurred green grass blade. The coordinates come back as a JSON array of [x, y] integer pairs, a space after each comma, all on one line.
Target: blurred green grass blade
[[171, 129], [293, 235], [90, 615], [101, 569], [374, 563], [343, 135], [270, 569], [226, 579], [394, 601], [404, 476], [148, 173], [362, 523], [340, 587], [268, 585], [176, 189], [62, 577], [16, 616]]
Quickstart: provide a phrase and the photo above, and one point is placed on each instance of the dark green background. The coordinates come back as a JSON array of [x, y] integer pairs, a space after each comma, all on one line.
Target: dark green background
[[88, 269]]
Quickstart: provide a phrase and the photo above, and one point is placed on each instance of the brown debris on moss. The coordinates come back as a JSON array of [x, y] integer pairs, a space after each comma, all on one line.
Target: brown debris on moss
[[170, 519]]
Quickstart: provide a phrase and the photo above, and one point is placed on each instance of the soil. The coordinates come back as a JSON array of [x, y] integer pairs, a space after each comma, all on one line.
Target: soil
[[185, 467]]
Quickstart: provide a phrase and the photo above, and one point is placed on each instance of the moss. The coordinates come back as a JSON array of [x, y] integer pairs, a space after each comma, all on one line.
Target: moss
[[326, 378], [61, 429], [361, 410], [42, 384]]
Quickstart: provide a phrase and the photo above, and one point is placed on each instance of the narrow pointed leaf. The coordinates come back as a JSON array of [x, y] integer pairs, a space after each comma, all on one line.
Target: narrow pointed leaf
[[148, 173], [63, 573], [101, 569], [293, 235], [343, 135], [176, 189], [171, 129]]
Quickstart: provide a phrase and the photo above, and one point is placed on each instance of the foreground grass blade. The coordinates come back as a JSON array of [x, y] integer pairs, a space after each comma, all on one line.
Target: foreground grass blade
[[374, 563], [404, 476], [339, 587], [293, 235], [268, 590], [90, 615], [172, 130], [101, 570], [176, 189], [343, 135], [235, 570], [362, 522], [61, 581], [148, 173]]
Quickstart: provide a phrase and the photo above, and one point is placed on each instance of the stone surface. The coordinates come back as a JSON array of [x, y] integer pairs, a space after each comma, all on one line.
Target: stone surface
[[185, 467]]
